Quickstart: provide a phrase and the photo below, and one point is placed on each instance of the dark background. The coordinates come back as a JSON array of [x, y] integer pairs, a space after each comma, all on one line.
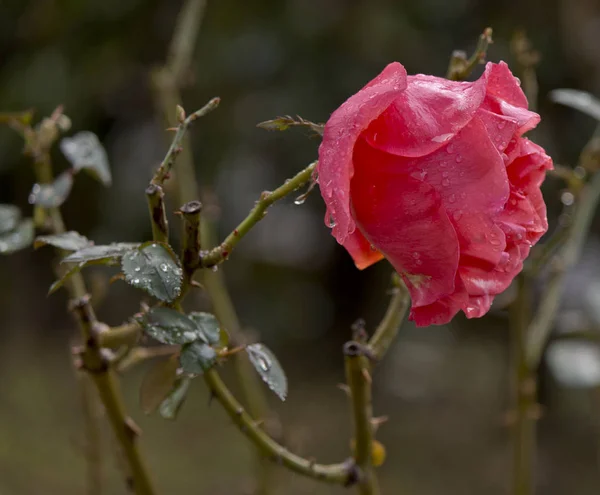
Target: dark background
[[445, 389]]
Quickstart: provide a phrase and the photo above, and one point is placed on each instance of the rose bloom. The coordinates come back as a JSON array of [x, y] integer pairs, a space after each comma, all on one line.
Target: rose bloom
[[435, 176]]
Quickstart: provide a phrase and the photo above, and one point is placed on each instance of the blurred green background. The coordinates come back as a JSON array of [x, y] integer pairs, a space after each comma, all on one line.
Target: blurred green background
[[445, 389]]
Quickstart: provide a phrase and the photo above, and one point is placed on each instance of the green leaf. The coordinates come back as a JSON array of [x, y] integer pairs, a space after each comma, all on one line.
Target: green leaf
[[209, 326], [170, 327], [69, 241], [84, 151], [268, 368], [158, 383], [54, 194], [579, 100], [153, 269], [65, 276], [17, 239], [9, 218], [197, 357], [169, 408], [102, 254]]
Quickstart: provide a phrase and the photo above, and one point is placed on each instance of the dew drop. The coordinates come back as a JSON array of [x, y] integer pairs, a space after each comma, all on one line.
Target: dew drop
[[461, 174], [331, 221], [450, 148], [443, 164], [416, 255], [457, 215], [445, 182], [567, 198], [452, 198], [459, 158], [136, 280], [164, 267], [300, 200], [518, 81], [374, 137], [137, 269], [445, 174], [463, 195], [501, 125], [418, 262], [264, 363], [498, 138]]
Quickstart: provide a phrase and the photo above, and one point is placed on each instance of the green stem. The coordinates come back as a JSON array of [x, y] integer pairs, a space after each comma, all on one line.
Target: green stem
[[158, 213], [388, 329], [334, 473], [190, 251], [220, 253], [116, 337], [524, 393], [359, 382], [92, 436]]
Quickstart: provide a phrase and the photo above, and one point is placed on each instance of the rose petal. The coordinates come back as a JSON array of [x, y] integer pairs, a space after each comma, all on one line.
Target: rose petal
[[404, 219], [504, 85], [478, 306], [341, 132], [441, 311], [363, 254], [426, 115]]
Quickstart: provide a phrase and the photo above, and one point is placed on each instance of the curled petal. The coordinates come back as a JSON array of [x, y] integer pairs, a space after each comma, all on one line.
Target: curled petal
[[341, 132], [504, 85], [361, 250], [442, 310], [404, 219]]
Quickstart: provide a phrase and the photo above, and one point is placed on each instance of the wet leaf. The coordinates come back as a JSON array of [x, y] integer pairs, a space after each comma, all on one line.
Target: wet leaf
[[268, 368], [69, 241], [109, 253], [85, 151], [579, 100], [170, 327], [54, 194], [209, 326], [169, 408], [65, 276], [10, 216], [197, 357], [155, 270], [158, 383], [17, 239]]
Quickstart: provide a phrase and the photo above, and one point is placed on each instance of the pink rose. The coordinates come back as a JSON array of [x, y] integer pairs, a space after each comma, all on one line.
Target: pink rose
[[435, 176]]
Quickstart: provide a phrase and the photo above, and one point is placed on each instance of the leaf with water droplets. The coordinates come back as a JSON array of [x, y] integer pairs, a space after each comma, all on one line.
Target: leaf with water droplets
[[54, 194], [269, 369], [10, 216], [104, 254], [84, 151], [169, 408], [197, 357], [579, 100], [209, 326], [170, 327], [158, 383], [17, 239], [154, 269], [69, 241]]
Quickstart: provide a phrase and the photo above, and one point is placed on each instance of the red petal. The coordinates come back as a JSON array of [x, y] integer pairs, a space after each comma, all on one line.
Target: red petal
[[426, 115], [341, 132], [404, 219], [505, 86], [441, 311], [363, 254]]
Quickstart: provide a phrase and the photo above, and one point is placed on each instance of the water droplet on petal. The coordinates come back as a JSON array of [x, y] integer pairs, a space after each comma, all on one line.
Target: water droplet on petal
[[416, 255], [450, 148], [459, 158], [501, 125], [463, 195], [445, 174], [452, 198], [443, 164], [457, 215], [445, 182], [518, 81], [331, 221]]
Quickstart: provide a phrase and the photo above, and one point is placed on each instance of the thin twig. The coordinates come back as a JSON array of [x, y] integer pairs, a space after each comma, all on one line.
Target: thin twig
[[358, 378], [333, 473], [115, 337], [388, 329], [158, 213], [92, 435], [221, 252], [460, 68]]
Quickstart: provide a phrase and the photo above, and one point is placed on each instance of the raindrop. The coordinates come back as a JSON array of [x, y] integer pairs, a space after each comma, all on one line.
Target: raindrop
[[418, 262], [457, 215], [331, 221], [416, 255], [137, 269], [164, 267], [461, 174], [452, 198], [518, 81], [445, 174], [300, 200], [498, 138], [459, 158], [446, 182], [450, 148], [519, 237], [463, 195], [567, 198], [501, 125], [136, 280], [443, 164], [264, 363], [423, 174]]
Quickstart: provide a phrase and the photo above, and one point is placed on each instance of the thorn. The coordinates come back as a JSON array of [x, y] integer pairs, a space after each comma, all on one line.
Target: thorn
[[171, 129], [378, 421], [196, 284], [132, 428], [344, 388], [367, 376], [115, 278], [259, 423]]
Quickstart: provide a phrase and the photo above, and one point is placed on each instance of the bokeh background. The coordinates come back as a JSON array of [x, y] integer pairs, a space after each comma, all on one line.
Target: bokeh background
[[445, 389]]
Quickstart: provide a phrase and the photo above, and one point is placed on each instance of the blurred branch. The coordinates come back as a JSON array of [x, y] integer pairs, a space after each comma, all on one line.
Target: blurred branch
[[343, 473], [115, 337], [92, 436], [138, 355], [459, 67], [220, 253], [541, 325], [359, 382], [388, 329], [527, 59]]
